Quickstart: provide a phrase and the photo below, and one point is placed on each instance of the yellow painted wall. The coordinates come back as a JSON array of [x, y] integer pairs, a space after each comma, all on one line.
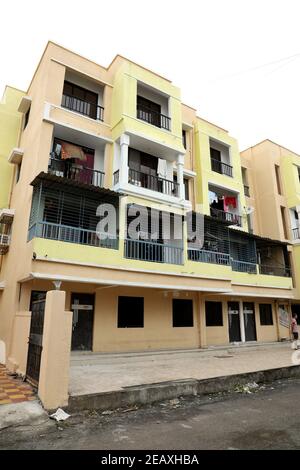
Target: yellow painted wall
[[124, 96], [10, 123], [290, 176], [205, 176]]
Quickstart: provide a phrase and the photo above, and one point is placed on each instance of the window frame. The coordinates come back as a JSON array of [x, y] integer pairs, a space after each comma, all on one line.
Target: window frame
[[121, 323], [220, 323], [265, 322], [177, 320]]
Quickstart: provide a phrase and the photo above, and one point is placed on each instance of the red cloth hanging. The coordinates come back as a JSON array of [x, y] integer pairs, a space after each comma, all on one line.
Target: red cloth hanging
[[230, 201]]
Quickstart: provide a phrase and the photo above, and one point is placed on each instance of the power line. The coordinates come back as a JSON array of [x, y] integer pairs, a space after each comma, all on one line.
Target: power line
[[287, 59]]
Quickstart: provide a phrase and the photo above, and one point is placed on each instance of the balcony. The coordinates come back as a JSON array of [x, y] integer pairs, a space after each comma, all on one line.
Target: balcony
[[153, 252], [145, 113], [229, 217], [205, 256], [243, 267], [65, 233], [79, 173], [296, 233], [221, 167], [282, 271], [70, 212], [4, 243], [85, 108], [152, 182]]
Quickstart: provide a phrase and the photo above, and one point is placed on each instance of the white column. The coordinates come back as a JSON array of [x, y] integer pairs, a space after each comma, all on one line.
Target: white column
[[179, 164], [124, 144], [242, 322]]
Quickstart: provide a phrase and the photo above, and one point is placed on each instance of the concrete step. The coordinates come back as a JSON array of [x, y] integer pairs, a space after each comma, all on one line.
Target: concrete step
[[151, 393]]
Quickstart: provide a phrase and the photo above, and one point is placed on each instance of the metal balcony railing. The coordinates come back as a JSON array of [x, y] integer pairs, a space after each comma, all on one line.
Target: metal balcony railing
[[243, 267], [152, 117], [205, 256], [4, 243], [116, 177], [152, 251], [80, 174], [296, 233], [69, 234], [85, 108], [221, 167], [282, 271], [155, 183], [233, 219]]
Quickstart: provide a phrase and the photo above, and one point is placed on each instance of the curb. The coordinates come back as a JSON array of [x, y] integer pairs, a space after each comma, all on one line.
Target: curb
[[151, 393]]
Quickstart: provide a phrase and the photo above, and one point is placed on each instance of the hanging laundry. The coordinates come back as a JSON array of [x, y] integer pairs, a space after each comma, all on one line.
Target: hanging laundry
[[230, 201], [162, 168], [72, 151]]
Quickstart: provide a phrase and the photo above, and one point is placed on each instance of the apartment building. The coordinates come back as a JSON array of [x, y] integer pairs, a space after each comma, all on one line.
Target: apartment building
[[271, 174], [84, 135]]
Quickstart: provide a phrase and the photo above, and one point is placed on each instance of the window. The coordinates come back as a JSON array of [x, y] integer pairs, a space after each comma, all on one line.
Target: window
[[215, 154], [214, 313], [149, 111], [18, 171], [26, 118], [282, 209], [265, 313], [183, 313], [184, 138], [80, 100], [278, 180], [36, 295], [131, 312]]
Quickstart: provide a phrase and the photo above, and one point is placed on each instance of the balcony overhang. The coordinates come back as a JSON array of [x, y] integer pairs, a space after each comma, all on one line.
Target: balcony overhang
[[122, 280], [187, 173], [58, 182], [7, 216], [25, 104], [15, 156], [153, 147], [263, 240]]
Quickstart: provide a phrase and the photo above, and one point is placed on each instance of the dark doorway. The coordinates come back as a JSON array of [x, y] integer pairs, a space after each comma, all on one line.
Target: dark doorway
[[82, 306], [234, 322], [249, 320], [35, 343], [296, 310]]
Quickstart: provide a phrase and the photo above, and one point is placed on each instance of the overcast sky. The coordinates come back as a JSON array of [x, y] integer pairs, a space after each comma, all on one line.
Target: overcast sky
[[216, 51]]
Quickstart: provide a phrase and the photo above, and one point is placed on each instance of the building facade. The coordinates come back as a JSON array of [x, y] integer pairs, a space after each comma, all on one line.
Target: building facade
[[120, 137]]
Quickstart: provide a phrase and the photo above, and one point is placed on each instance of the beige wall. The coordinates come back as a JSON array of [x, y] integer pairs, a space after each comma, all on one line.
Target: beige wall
[[260, 162], [158, 332]]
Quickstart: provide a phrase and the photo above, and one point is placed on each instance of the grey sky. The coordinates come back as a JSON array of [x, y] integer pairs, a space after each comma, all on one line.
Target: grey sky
[[204, 47]]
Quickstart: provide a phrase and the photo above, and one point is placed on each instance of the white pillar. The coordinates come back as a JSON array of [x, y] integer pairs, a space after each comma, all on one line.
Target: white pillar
[[179, 164], [242, 322], [124, 144]]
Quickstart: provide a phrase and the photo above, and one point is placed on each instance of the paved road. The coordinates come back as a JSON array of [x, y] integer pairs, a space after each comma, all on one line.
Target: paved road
[[268, 419]]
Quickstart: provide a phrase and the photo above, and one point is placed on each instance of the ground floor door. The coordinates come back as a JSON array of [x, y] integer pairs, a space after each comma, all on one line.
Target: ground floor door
[[234, 322], [35, 340], [249, 321], [82, 306]]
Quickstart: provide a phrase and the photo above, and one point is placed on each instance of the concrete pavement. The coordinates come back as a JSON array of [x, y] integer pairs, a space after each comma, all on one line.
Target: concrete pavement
[[267, 419], [100, 373]]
